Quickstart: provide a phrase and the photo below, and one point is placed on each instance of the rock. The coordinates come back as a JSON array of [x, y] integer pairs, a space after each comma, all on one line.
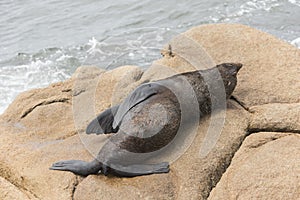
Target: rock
[[267, 166], [8, 191], [156, 72], [36, 112], [85, 81], [275, 117], [154, 187], [116, 84], [46, 125], [96, 90], [25, 159], [198, 174], [38, 129], [271, 67]]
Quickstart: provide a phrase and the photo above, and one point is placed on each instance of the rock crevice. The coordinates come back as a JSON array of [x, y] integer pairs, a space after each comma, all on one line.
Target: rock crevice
[[43, 103]]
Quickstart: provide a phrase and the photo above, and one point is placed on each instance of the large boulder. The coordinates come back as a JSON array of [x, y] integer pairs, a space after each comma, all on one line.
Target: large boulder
[[8, 191], [265, 167], [275, 117], [45, 125]]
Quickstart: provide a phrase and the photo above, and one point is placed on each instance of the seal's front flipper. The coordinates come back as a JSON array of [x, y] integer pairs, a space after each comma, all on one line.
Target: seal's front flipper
[[78, 167], [103, 123], [140, 170], [136, 97]]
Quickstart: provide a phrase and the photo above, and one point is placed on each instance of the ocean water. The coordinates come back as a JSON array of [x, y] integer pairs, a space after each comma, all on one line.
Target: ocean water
[[42, 42]]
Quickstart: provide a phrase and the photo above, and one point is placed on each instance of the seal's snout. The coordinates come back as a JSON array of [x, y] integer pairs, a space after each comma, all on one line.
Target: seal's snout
[[229, 68], [238, 66], [234, 68]]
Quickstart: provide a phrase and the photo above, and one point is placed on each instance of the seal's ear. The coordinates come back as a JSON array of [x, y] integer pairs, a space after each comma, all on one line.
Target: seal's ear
[[139, 95], [103, 122]]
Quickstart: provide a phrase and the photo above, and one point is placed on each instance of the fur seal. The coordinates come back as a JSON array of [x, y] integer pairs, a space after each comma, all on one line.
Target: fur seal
[[147, 120]]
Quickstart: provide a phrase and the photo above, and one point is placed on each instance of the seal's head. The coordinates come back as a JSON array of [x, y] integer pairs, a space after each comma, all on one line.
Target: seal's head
[[228, 72]]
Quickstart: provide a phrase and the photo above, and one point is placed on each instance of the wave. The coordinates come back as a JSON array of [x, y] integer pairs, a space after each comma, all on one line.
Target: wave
[[28, 71], [18, 78], [295, 2], [227, 12]]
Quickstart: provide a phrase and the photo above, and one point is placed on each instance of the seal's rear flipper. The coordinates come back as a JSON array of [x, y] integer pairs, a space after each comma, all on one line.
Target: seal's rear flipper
[[103, 122], [78, 167], [140, 170]]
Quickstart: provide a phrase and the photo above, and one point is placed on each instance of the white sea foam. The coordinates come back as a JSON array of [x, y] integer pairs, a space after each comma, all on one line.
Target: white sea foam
[[19, 78], [27, 71], [242, 9], [296, 42], [295, 2], [95, 46]]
